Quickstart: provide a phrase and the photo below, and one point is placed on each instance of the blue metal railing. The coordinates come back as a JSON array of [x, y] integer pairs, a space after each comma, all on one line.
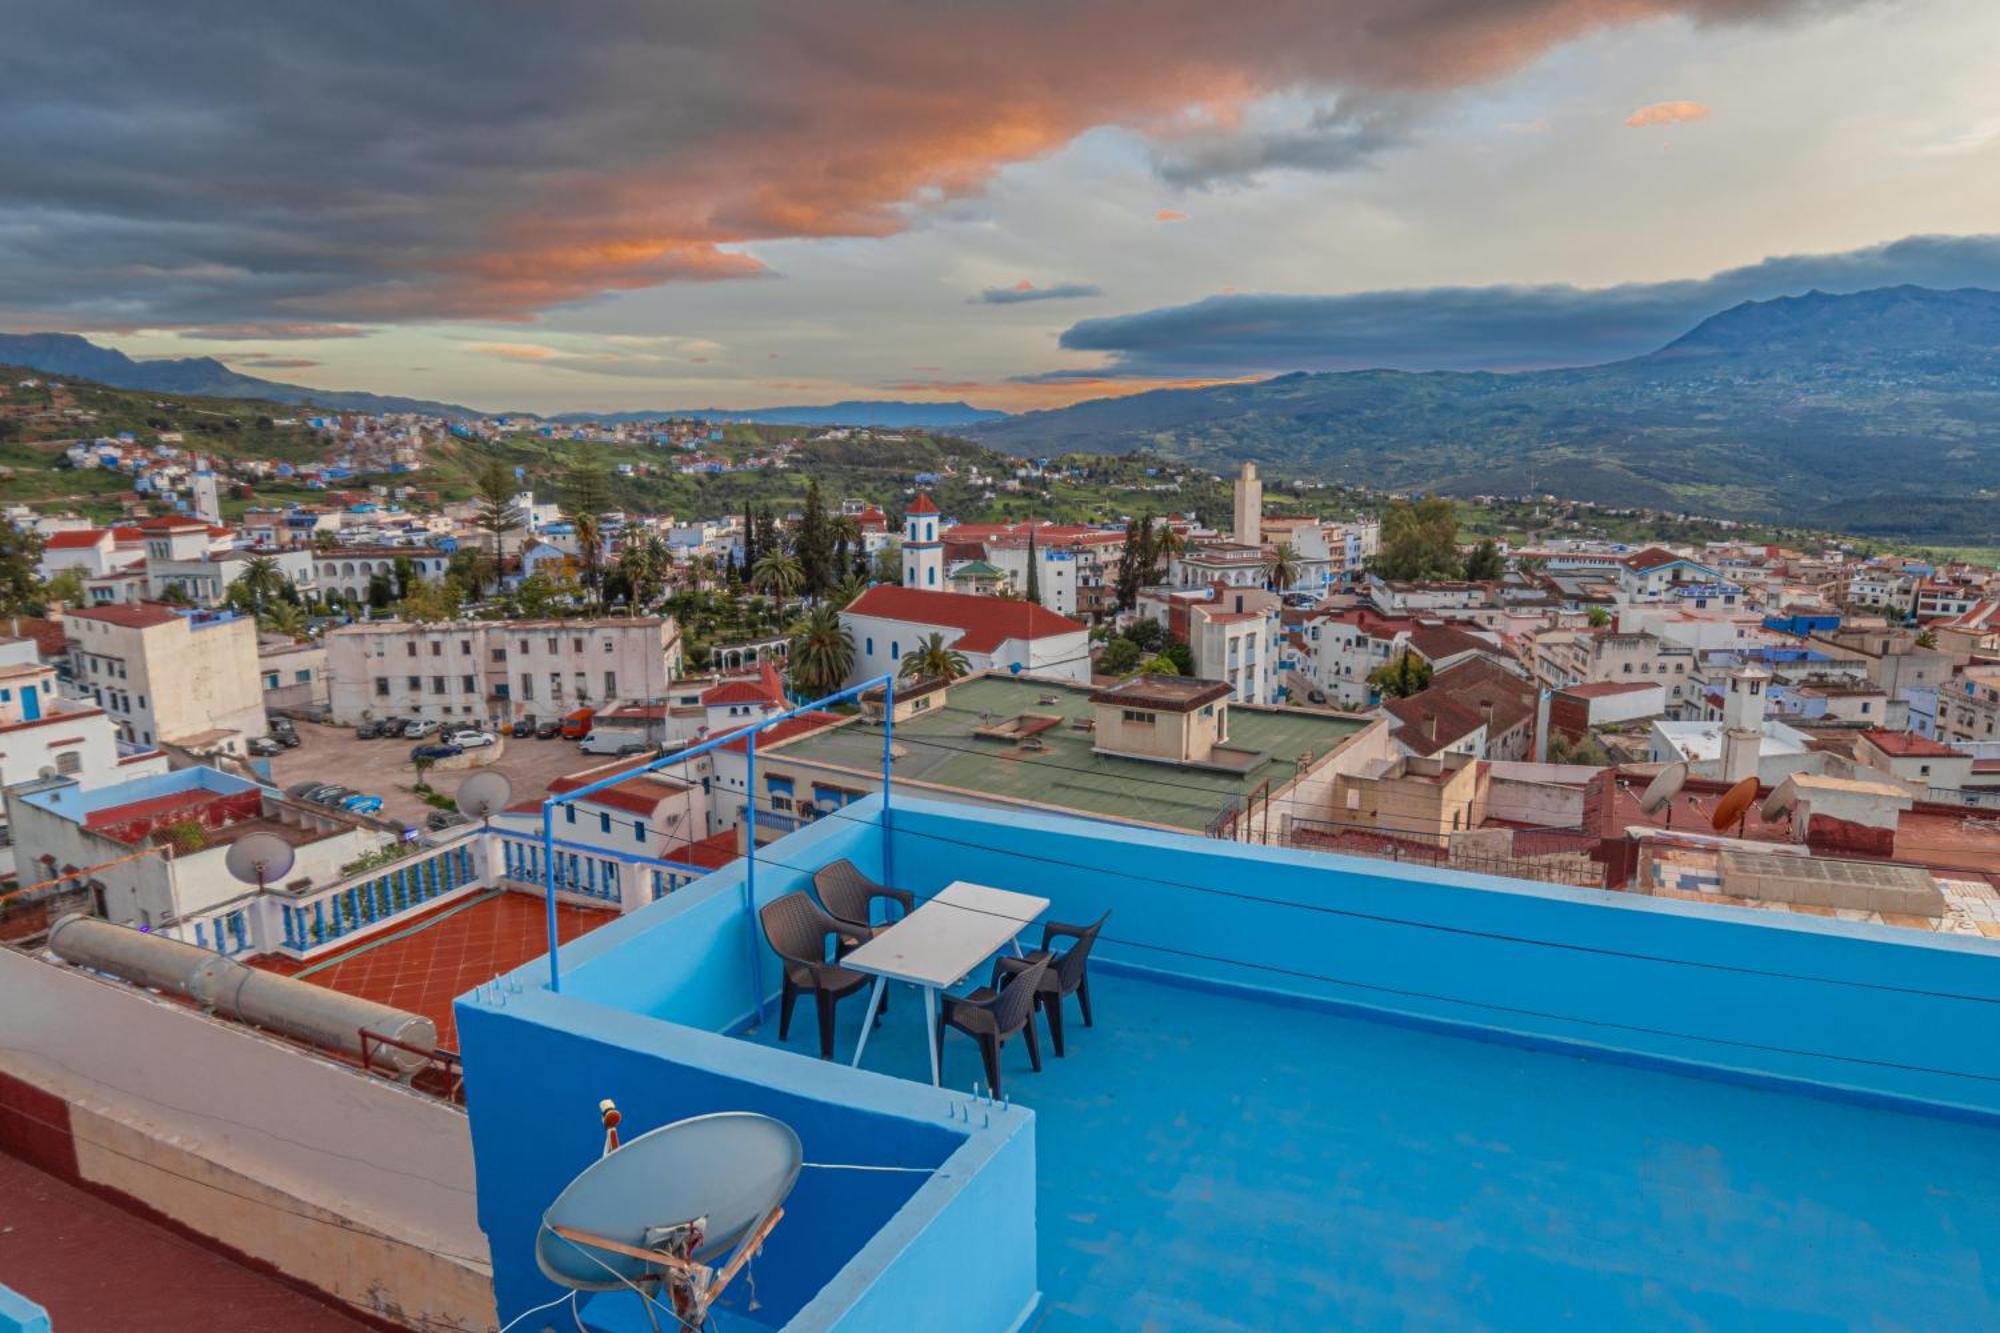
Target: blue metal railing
[[747, 734]]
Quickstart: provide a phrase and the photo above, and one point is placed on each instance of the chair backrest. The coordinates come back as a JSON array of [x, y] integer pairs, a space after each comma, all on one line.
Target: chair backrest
[[845, 891], [1069, 967], [796, 928], [1017, 998]]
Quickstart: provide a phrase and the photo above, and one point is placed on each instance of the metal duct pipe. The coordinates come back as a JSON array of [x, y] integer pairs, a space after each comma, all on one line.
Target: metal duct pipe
[[326, 1018]]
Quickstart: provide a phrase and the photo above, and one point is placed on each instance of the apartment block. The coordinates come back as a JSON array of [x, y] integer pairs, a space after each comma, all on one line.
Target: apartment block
[[170, 677]]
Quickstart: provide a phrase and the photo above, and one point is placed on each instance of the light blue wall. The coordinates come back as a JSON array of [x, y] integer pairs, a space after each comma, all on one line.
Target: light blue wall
[[643, 1001], [1869, 1009], [18, 1314]]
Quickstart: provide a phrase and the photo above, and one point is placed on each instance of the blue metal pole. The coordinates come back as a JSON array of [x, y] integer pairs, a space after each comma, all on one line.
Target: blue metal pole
[[549, 887], [750, 877], [888, 757]]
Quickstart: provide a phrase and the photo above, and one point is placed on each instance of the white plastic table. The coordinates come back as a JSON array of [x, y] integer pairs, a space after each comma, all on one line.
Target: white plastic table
[[939, 944]]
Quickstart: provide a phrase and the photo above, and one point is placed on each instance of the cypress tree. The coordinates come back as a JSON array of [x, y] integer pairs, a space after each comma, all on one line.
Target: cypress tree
[[1034, 570]]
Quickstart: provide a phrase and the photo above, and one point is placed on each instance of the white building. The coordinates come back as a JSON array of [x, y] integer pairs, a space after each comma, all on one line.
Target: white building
[[188, 679], [994, 633], [349, 569], [464, 670], [923, 553]]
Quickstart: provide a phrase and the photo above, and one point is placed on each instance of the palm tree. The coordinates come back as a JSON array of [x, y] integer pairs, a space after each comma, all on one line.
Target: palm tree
[[644, 561], [778, 574], [847, 590], [822, 652], [1282, 567], [1168, 540], [934, 660], [263, 581], [283, 617], [496, 511], [590, 553]]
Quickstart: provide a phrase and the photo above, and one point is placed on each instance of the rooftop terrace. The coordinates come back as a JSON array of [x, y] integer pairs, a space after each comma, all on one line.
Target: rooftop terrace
[[1322, 1093], [941, 747]]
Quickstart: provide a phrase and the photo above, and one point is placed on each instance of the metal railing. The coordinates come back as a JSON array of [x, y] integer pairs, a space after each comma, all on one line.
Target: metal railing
[[437, 1070]]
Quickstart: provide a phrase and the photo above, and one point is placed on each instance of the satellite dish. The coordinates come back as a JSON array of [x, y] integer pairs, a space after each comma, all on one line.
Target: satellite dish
[[1780, 802], [1735, 804], [259, 858], [1662, 790], [657, 1211], [484, 795]]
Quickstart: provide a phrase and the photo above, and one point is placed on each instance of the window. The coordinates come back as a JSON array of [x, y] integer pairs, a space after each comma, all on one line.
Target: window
[[895, 650], [500, 654], [381, 687], [582, 686], [270, 680], [410, 648], [465, 647], [611, 684], [604, 821], [1139, 718], [302, 677], [871, 645], [569, 813], [638, 830], [576, 645], [609, 647], [466, 684], [414, 683], [437, 684], [527, 687], [437, 648], [524, 646], [555, 644], [69, 761]]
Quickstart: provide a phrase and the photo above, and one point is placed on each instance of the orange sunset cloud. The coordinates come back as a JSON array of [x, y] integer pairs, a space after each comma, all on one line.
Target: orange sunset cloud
[[1666, 113]]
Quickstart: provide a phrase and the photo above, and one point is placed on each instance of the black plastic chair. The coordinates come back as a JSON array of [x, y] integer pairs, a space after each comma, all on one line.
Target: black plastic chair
[[798, 931], [1068, 974], [849, 897], [990, 1016]]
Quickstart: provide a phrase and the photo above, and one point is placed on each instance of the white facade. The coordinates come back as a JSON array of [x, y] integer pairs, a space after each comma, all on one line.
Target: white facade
[[479, 669], [923, 554], [171, 679], [993, 633]]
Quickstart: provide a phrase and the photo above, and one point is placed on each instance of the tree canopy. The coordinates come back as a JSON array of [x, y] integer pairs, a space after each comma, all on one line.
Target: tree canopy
[[1420, 541]]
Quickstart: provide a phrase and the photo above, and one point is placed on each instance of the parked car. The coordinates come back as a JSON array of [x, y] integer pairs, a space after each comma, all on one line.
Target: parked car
[[440, 820], [549, 730], [280, 723], [288, 739], [331, 794], [523, 725], [471, 739], [576, 725], [299, 790], [362, 804], [419, 727], [434, 752], [368, 731], [263, 747]]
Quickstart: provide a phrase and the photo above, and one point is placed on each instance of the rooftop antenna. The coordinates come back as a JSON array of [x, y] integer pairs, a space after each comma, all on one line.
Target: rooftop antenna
[[259, 858], [656, 1212], [1660, 792], [484, 795]]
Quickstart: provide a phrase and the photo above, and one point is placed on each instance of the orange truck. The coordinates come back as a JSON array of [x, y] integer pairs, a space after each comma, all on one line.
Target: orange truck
[[576, 725]]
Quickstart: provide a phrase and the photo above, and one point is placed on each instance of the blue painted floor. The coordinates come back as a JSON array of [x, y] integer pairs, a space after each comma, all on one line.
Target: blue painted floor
[[1210, 1162]]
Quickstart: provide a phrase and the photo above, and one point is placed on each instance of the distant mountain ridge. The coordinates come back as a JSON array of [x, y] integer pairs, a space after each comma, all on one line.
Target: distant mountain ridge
[[68, 354], [883, 412], [61, 354], [1876, 412]]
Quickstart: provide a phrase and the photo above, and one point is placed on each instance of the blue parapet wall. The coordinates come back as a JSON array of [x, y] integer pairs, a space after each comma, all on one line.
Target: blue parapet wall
[[1868, 1010], [638, 1020], [18, 1314]]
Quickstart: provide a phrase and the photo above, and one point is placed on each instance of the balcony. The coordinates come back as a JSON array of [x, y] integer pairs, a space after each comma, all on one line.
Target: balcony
[[1321, 1093]]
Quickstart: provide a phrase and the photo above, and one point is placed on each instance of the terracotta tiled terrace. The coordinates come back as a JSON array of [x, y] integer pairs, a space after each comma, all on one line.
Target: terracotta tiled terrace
[[423, 965]]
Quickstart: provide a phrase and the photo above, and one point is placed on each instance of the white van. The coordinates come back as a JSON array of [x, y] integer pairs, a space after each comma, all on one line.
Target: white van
[[600, 741]]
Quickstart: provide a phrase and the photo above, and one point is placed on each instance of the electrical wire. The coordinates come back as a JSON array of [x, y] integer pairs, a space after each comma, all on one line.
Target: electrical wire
[[569, 1296]]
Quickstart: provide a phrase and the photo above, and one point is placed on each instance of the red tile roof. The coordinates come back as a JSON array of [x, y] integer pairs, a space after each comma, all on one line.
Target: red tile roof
[[50, 640], [922, 505], [735, 692], [128, 534], [779, 732], [1909, 745], [139, 615], [170, 524], [74, 540], [985, 622]]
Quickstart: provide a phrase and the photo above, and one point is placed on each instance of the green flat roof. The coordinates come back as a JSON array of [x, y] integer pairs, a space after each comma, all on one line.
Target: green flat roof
[[939, 747]]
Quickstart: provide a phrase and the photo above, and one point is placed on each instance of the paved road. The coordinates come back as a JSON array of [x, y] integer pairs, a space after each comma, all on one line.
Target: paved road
[[331, 754]]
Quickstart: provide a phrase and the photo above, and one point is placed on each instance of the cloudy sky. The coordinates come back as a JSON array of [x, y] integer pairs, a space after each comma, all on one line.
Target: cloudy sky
[[668, 203]]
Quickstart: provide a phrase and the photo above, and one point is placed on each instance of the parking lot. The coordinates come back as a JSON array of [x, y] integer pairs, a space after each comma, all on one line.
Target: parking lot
[[383, 768]]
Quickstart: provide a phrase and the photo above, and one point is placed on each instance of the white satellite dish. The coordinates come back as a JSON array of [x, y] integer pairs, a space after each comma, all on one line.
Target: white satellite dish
[[484, 795], [1780, 802], [1660, 792], [259, 858], [658, 1212]]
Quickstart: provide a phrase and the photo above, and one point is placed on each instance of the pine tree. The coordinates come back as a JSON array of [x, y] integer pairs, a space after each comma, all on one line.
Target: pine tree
[[815, 543]]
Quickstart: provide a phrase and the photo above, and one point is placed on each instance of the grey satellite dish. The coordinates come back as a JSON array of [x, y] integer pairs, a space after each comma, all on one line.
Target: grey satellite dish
[[659, 1210], [259, 858], [484, 795], [1662, 789], [1780, 802]]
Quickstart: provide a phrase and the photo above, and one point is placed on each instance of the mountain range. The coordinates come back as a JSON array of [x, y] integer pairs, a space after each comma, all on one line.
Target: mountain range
[[1876, 412], [886, 412]]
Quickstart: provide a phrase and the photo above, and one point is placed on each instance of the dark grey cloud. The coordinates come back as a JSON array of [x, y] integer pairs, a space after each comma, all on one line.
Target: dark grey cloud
[[1499, 327], [298, 330], [223, 163], [1061, 291], [1350, 133]]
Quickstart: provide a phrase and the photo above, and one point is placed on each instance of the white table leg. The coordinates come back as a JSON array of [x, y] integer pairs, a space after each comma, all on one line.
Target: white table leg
[[868, 1018], [1016, 942], [931, 1032]]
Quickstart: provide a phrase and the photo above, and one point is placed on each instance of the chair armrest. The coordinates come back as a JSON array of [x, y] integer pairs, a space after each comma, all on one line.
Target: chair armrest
[[1056, 930], [1006, 965], [903, 897]]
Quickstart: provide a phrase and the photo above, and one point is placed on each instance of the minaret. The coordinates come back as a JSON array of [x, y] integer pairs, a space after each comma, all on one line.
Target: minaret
[[923, 555], [1249, 529], [207, 497], [1743, 722]]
